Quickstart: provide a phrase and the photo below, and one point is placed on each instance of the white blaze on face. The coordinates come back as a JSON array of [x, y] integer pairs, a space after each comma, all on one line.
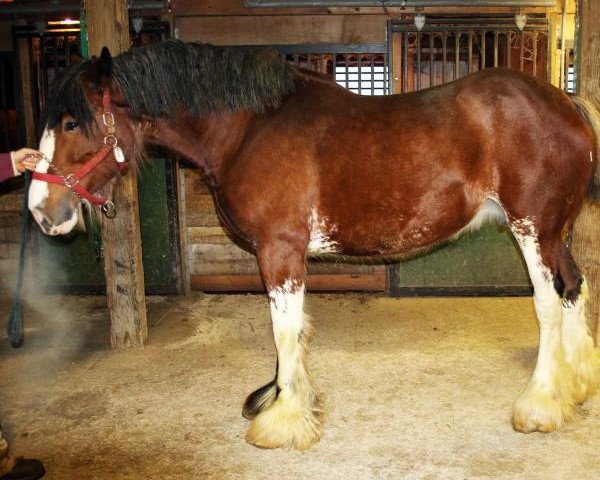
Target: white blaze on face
[[38, 190]]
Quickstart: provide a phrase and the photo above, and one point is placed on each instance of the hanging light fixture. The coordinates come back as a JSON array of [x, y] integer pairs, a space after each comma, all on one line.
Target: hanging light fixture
[[40, 26], [419, 21], [520, 20], [138, 24]]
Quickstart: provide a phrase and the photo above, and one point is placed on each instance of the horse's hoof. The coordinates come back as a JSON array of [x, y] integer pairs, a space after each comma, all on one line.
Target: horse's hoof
[[285, 426], [536, 411]]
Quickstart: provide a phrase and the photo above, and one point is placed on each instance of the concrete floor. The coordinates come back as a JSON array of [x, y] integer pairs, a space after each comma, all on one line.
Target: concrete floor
[[413, 389]]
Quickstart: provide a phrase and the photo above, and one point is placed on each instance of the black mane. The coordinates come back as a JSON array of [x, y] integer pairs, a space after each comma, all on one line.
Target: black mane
[[159, 79]]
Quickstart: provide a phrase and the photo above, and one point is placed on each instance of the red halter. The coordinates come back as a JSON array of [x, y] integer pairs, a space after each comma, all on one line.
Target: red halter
[[71, 181]]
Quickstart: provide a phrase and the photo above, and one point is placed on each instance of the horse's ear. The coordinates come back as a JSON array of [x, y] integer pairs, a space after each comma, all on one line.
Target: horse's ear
[[99, 74], [104, 66]]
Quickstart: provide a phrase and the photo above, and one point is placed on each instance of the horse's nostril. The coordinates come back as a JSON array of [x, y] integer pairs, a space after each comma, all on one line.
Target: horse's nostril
[[64, 214], [43, 221], [45, 224]]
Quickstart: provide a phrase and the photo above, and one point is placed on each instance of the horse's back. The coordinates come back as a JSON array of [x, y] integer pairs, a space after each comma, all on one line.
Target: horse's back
[[387, 175]]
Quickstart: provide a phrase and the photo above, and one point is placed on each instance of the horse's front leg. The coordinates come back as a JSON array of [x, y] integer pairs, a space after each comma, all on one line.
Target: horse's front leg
[[285, 412]]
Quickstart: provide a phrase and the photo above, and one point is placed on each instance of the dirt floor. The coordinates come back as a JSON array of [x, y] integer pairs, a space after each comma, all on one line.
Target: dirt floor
[[413, 389]]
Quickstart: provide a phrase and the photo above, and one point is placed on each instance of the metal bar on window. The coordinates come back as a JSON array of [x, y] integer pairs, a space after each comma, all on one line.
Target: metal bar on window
[[346, 71], [418, 61], [431, 49], [359, 74], [482, 50], [495, 48], [372, 74], [444, 55], [470, 53], [457, 55], [405, 66], [522, 51]]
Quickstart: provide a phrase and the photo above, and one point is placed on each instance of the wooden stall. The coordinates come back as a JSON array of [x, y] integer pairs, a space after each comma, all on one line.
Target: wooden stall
[[369, 46]]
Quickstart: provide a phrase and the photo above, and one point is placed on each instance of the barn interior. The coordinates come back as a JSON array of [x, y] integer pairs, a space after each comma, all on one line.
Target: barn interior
[[434, 349]]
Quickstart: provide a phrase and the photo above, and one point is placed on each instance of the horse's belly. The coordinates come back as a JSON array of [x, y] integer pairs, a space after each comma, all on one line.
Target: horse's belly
[[393, 234], [385, 238]]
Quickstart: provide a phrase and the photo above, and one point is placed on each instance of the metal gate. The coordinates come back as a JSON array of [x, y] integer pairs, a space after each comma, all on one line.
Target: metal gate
[[443, 50], [361, 68]]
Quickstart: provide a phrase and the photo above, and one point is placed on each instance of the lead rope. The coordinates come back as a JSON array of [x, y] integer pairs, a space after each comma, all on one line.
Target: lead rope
[[14, 328]]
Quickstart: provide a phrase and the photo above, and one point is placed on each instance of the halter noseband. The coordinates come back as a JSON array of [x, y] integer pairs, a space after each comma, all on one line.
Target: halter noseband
[[72, 180]]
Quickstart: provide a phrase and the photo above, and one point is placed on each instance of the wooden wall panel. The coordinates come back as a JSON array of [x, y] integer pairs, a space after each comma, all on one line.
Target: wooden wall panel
[[277, 29]]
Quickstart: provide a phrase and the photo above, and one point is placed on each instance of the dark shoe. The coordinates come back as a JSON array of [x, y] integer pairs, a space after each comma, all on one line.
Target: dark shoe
[[26, 469]]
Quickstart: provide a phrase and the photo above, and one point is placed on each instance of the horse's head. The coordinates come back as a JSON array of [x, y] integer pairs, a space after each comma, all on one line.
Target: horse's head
[[87, 136]]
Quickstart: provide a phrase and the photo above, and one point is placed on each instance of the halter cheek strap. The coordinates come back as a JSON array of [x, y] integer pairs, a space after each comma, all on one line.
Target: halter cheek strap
[[72, 180]]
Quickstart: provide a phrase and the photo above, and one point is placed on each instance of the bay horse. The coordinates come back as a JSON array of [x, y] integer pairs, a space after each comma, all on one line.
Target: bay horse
[[300, 166]]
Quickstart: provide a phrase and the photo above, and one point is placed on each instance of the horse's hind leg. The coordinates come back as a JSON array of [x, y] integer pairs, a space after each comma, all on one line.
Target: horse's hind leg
[[548, 400], [577, 342], [286, 411]]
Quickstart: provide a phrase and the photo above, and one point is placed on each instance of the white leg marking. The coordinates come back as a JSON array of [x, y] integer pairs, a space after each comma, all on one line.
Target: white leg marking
[[292, 421], [287, 317], [548, 399]]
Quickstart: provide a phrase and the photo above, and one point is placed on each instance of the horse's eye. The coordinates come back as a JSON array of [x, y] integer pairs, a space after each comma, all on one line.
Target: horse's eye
[[70, 126]]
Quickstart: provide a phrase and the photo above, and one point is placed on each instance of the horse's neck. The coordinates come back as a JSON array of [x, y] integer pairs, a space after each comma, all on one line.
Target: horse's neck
[[207, 142]]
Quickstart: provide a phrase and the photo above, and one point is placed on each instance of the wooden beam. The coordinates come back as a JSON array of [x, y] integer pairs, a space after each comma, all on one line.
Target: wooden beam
[[236, 7], [281, 29], [586, 232], [108, 25], [27, 124]]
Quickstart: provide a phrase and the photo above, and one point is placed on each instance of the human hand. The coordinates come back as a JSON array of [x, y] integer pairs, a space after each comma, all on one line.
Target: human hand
[[25, 159]]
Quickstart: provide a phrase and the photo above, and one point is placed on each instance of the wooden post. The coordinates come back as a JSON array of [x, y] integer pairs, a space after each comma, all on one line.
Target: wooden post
[[586, 232], [25, 76], [108, 25]]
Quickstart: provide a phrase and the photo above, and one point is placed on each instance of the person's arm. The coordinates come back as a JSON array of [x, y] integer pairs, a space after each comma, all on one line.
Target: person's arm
[[15, 163], [6, 167]]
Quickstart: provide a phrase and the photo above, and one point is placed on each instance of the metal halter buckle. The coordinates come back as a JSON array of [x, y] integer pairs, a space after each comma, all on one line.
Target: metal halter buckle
[[108, 119], [108, 209], [70, 180], [111, 140]]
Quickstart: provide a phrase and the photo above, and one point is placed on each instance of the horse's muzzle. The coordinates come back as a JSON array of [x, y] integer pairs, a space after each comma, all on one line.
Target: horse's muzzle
[[61, 224]]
